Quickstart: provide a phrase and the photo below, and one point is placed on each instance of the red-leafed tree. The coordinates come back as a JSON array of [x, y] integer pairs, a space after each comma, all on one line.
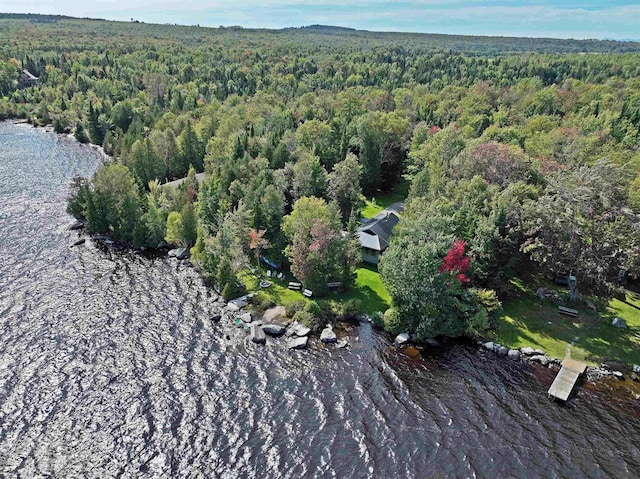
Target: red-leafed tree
[[257, 242], [456, 261]]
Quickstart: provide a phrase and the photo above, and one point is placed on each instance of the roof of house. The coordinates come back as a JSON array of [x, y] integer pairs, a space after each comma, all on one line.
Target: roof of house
[[29, 75], [179, 181], [376, 232]]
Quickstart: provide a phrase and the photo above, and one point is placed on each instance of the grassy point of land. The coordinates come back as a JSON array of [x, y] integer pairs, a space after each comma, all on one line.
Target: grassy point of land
[[278, 291], [368, 288], [530, 321], [373, 206]]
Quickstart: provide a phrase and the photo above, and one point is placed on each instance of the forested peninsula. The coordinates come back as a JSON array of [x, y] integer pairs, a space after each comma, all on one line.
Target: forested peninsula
[[514, 160]]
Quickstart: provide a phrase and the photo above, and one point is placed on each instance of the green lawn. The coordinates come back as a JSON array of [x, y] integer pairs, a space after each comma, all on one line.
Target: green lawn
[[373, 206], [278, 291], [368, 288], [529, 321]]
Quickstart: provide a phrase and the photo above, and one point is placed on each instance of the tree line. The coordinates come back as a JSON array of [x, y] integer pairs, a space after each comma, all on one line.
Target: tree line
[[515, 162]]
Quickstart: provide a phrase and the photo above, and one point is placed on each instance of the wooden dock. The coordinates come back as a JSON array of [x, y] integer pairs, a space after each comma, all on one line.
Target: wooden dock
[[566, 379]]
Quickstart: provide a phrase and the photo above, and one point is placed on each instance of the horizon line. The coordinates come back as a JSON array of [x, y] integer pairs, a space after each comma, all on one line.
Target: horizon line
[[353, 29]]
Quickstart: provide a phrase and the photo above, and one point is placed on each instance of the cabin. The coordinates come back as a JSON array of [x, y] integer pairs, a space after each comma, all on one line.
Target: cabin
[[374, 234], [179, 181], [27, 79]]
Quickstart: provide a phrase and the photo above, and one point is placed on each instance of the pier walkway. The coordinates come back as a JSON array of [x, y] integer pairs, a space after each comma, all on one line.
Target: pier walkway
[[566, 378]]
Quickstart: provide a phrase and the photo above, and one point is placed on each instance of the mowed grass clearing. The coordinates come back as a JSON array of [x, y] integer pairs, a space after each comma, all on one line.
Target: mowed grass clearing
[[368, 288], [529, 321], [375, 205]]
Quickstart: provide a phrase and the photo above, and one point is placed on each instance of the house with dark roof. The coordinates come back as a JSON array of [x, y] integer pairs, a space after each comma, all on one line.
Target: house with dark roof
[[374, 234], [27, 79]]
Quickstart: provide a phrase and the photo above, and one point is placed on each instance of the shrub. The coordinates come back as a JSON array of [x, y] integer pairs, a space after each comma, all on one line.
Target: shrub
[[232, 290], [392, 321], [293, 308], [352, 308], [489, 299], [60, 125], [377, 319], [479, 324], [333, 308], [262, 301], [80, 134], [313, 308], [308, 319]]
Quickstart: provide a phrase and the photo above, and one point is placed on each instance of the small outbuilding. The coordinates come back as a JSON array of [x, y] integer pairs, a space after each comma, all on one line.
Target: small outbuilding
[[27, 79]]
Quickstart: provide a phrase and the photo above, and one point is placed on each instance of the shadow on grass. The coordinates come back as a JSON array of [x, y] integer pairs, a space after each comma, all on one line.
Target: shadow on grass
[[371, 300], [529, 321], [378, 203], [630, 304], [603, 344]]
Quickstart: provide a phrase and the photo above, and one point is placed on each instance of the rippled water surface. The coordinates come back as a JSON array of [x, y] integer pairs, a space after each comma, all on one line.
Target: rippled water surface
[[111, 367]]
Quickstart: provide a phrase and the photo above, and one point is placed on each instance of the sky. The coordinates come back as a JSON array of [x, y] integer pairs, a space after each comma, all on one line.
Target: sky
[[613, 19]]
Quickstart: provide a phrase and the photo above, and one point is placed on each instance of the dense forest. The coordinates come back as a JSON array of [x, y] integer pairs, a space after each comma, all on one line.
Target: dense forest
[[517, 154]]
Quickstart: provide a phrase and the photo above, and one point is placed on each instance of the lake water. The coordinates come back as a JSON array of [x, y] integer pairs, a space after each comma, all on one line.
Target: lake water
[[111, 367]]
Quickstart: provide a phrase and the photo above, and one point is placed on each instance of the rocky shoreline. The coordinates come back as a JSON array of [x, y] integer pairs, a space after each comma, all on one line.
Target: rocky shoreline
[[253, 326], [242, 326], [529, 355]]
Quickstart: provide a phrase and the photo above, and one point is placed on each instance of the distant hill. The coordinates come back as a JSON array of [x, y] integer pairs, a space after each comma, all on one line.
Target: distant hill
[[473, 45], [483, 44], [35, 17]]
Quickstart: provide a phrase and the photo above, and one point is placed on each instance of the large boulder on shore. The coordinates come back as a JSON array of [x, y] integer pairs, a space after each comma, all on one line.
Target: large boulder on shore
[[619, 323], [246, 318], [297, 343], [179, 253], [299, 330], [78, 225], [257, 334], [539, 358], [402, 338], [514, 354], [273, 329], [276, 313], [236, 304], [489, 345], [502, 351], [528, 351], [328, 336]]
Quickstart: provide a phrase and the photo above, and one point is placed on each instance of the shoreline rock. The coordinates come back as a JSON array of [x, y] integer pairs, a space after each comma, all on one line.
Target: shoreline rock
[[257, 334], [328, 336], [514, 354], [273, 329], [78, 225], [297, 343]]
